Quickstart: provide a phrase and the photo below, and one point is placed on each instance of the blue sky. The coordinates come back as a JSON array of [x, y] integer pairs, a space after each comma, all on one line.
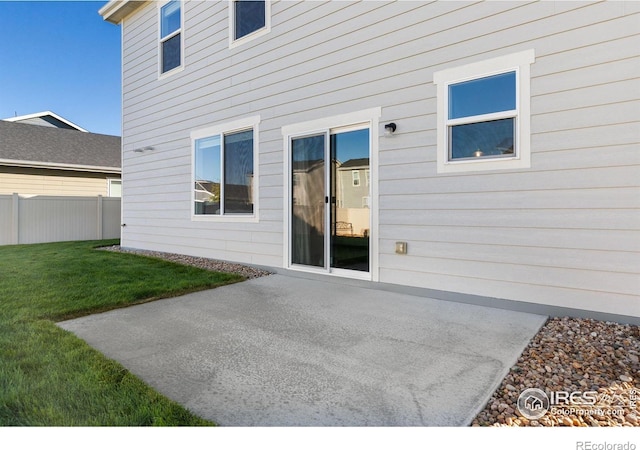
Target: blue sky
[[61, 57]]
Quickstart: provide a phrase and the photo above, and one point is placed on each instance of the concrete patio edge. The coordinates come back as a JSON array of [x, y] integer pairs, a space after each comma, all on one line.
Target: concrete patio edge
[[289, 351]]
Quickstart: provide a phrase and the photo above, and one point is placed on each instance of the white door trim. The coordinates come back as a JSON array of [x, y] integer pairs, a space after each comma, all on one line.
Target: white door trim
[[322, 125]]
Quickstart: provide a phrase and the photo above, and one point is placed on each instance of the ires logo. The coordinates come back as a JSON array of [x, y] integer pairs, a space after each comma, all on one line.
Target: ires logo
[[562, 398], [534, 403]]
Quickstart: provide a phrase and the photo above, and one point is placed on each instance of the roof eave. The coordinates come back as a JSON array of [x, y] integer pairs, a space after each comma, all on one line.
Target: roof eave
[[59, 166], [46, 113], [116, 10]]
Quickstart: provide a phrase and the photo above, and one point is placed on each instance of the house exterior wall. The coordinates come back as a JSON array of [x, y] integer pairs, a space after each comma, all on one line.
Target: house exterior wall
[[562, 232], [31, 181]]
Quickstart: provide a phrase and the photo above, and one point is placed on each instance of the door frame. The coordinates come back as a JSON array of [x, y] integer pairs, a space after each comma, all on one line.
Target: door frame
[[369, 117]]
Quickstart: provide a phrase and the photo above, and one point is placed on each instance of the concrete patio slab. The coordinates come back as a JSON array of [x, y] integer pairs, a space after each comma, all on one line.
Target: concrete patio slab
[[286, 351]]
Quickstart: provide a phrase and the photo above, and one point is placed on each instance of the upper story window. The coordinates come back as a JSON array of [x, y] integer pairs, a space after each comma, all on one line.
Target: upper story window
[[248, 20], [355, 177], [224, 163], [484, 114], [170, 36]]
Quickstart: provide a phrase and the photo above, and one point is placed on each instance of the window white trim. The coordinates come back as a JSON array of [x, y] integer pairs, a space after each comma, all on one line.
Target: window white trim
[[520, 64], [111, 182], [355, 177], [161, 40], [222, 129], [233, 43]]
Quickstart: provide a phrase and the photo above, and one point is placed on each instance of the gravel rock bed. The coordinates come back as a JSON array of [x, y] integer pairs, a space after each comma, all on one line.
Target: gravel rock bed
[[203, 263], [596, 360]]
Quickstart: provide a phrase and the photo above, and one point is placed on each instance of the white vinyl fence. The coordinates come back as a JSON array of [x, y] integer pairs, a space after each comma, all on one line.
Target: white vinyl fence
[[26, 219]]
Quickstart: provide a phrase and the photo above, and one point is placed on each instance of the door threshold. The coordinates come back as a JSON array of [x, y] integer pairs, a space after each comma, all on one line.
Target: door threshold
[[340, 273]]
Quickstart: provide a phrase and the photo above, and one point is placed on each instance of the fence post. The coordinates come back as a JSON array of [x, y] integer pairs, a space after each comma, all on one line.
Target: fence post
[[15, 215], [100, 235]]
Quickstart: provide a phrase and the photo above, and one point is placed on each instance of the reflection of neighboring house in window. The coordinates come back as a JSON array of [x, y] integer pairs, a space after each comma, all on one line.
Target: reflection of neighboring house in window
[[207, 196], [355, 178], [205, 191], [308, 204], [352, 194], [307, 173], [238, 197]]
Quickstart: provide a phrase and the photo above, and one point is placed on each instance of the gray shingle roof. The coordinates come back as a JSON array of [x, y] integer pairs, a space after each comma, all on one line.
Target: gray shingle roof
[[24, 142], [358, 162]]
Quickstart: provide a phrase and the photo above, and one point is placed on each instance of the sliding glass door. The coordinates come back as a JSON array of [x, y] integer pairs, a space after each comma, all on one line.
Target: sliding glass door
[[308, 207], [350, 198], [330, 200]]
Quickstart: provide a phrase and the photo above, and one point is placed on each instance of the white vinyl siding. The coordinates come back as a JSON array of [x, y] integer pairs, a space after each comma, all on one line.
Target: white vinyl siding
[[28, 181], [562, 232]]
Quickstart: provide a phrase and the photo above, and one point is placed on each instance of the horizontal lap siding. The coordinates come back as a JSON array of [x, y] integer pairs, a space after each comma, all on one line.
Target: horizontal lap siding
[[563, 232], [566, 231], [24, 180]]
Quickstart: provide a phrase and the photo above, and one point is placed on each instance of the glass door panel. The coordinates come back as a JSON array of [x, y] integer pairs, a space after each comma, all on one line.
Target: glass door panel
[[350, 200], [308, 213]]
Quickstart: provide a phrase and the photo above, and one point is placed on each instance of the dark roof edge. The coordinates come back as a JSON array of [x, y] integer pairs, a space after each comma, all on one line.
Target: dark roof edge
[[59, 166]]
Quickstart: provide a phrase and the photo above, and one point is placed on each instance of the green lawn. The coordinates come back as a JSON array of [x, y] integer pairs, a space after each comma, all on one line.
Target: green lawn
[[48, 377]]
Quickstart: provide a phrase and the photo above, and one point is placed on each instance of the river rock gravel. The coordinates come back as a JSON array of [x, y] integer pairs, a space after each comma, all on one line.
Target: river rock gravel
[[588, 369], [203, 263]]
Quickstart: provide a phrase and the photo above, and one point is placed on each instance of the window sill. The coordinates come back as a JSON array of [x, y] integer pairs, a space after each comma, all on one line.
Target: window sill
[[225, 219], [162, 76], [233, 43], [473, 165]]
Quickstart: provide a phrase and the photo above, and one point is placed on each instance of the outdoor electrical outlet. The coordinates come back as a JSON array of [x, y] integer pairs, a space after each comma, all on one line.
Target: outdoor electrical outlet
[[401, 248]]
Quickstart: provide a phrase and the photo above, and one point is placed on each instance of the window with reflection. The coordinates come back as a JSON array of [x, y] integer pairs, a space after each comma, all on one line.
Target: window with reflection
[[248, 17], [484, 114], [223, 170], [482, 117], [170, 36]]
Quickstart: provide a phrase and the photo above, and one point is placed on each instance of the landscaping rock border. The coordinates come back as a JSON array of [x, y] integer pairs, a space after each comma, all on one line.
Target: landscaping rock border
[[595, 361], [203, 263]]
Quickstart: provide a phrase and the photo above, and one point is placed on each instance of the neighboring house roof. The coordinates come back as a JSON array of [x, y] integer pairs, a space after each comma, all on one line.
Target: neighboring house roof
[[24, 145], [47, 119], [357, 162]]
